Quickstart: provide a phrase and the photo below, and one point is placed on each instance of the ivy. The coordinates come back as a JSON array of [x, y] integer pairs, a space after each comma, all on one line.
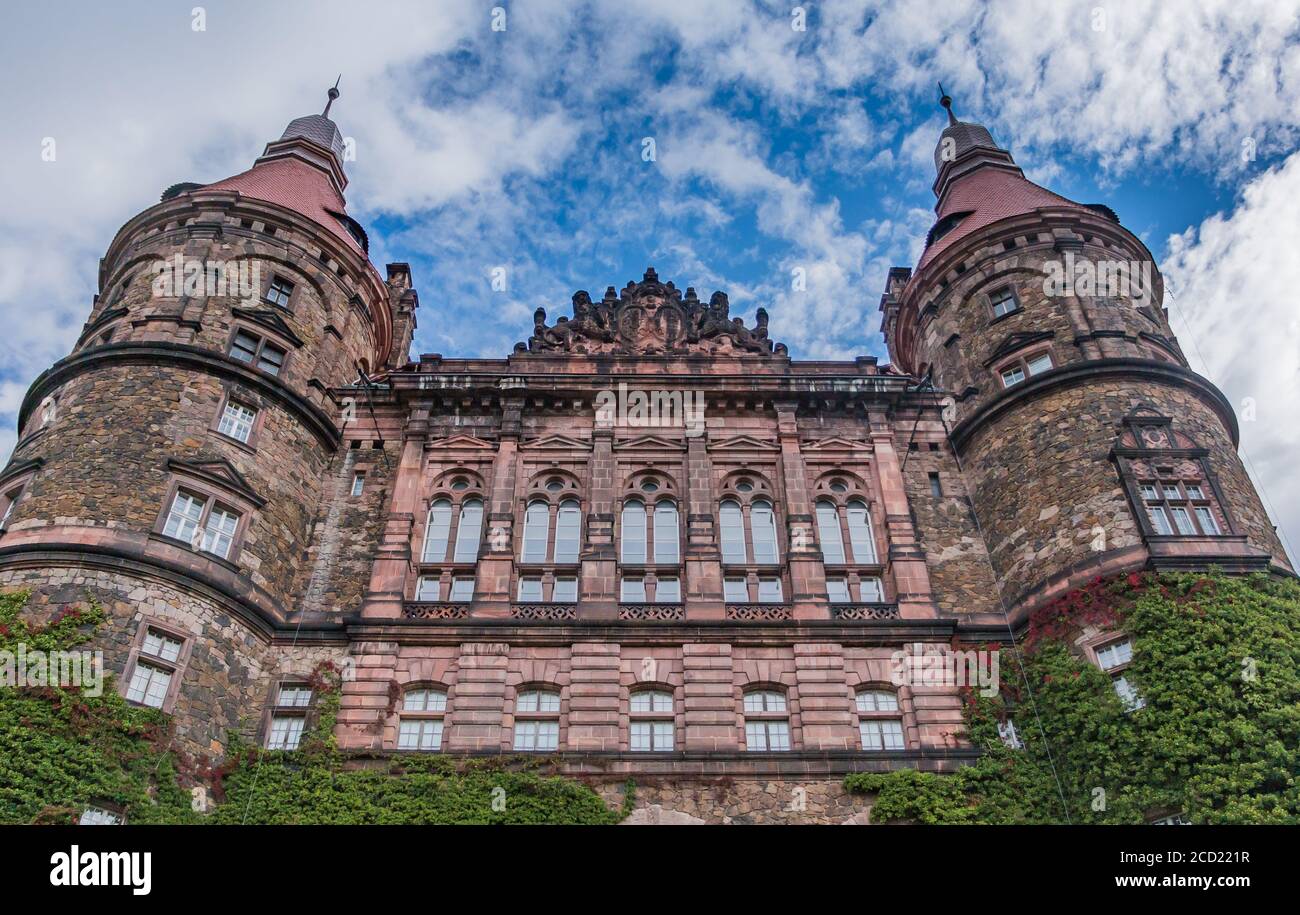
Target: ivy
[[61, 751], [1217, 661]]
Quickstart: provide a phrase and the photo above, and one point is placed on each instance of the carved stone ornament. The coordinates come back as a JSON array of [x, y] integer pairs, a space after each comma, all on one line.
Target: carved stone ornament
[[650, 318]]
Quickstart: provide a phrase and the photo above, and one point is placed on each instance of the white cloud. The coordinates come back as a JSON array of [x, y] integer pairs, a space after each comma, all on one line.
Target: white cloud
[[1235, 277]]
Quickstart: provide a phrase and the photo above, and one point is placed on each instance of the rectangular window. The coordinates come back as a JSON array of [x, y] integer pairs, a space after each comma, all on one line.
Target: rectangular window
[[1149, 493], [1039, 364], [1012, 376], [279, 292], [1159, 520], [428, 588], [1115, 654], [160, 645], [271, 359], [537, 735], [1209, 526], [244, 347], [294, 696], [838, 590], [420, 734], [668, 591], [98, 816], [633, 591], [767, 735], [769, 590], [530, 589], [881, 734], [735, 591], [872, 591], [149, 685], [219, 533], [1182, 520], [1194, 491], [936, 486], [1128, 695], [462, 588], [254, 350], [286, 732], [10, 499], [651, 736], [237, 421], [183, 518], [566, 590], [1004, 302], [358, 483], [1010, 736]]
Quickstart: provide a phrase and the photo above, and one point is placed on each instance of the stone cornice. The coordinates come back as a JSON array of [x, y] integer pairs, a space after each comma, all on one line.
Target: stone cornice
[[191, 357], [1076, 373]]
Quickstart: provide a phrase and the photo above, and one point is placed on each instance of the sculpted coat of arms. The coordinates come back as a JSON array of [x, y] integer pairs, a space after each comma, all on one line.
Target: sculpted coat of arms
[[650, 318]]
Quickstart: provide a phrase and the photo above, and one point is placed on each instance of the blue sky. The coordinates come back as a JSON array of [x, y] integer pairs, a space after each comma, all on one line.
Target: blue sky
[[776, 148]]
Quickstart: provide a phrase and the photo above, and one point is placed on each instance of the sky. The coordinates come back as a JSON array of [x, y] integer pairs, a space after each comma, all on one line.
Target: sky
[[568, 145]]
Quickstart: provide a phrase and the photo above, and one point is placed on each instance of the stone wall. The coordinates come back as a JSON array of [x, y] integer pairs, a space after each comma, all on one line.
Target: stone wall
[[741, 802]]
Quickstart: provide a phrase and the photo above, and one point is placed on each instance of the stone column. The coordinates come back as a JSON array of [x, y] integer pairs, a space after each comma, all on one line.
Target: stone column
[[492, 595], [906, 557], [807, 573], [702, 588], [598, 591], [392, 565]]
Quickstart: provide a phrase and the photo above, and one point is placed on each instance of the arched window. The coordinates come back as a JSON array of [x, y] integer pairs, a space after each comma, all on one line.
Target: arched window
[[828, 529], [860, 536], [537, 522], [537, 720], [469, 531], [438, 531], [763, 529], [650, 728], [420, 726], [633, 532], [667, 548], [767, 721], [568, 527], [880, 725], [733, 533]]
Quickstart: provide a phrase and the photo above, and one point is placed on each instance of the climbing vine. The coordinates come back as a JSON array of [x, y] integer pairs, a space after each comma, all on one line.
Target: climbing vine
[[1217, 662], [62, 751]]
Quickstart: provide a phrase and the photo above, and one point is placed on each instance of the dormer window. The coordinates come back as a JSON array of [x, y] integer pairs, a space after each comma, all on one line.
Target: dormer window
[[279, 292]]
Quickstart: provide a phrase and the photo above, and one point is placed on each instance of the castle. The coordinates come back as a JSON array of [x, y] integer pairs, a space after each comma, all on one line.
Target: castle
[[647, 543]]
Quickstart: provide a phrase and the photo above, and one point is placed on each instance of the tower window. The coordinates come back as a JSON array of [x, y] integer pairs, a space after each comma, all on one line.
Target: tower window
[[256, 351], [1004, 302], [155, 666], [203, 523], [1114, 658], [358, 483], [279, 292], [237, 421], [1025, 367], [936, 485], [1178, 509]]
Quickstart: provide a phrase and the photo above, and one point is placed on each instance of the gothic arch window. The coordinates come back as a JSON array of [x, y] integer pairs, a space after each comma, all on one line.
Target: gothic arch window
[[453, 536], [850, 549], [551, 545]]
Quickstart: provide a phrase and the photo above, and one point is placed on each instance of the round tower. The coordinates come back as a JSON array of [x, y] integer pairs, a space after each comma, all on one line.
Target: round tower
[[1089, 445], [172, 465]]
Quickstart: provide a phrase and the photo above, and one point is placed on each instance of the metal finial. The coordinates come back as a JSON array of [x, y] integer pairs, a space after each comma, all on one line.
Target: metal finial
[[946, 101], [333, 94]]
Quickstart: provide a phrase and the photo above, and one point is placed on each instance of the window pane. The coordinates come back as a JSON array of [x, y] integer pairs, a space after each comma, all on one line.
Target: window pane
[[530, 589], [633, 591], [237, 421], [1194, 491], [548, 735], [778, 735], [884, 734], [1159, 520], [468, 532], [566, 590], [358, 483], [294, 697], [769, 590], [244, 347], [183, 519], [633, 533], [286, 732], [1128, 695], [568, 524], [755, 735], [428, 588], [1206, 518], [733, 533], [663, 736], [537, 520], [1182, 520], [94, 816], [650, 701], [666, 543], [735, 591], [1013, 376], [639, 738], [764, 532], [149, 685], [161, 646], [525, 735], [271, 360], [1040, 363], [877, 700], [219, 535], [1114, 655], [462, 589], [437, 531], [764, 701], [828, 529], [668, 591], [864, 544], [872, 591], [1003, 303], [837, 589]]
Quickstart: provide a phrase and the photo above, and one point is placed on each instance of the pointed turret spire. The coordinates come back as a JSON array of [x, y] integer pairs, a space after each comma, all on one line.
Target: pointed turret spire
[[945, 101], [333, 94]]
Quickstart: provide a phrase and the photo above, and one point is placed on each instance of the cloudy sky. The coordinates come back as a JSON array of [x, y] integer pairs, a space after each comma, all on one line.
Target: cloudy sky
[[572, 144]]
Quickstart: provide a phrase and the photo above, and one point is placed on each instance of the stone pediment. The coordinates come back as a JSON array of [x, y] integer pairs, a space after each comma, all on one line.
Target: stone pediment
[[834, 443], [556, 443], [460, 441], [744, 443], [650, 441], [217, 472], [1013, 342], [267, 318], [650, 318]]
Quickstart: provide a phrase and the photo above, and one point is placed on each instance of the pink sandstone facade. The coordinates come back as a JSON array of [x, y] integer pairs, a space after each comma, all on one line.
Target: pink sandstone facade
[[646, 544]]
